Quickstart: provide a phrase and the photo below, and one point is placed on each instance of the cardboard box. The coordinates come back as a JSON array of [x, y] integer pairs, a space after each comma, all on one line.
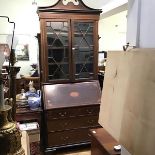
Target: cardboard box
[[34, 141], [30, 138]]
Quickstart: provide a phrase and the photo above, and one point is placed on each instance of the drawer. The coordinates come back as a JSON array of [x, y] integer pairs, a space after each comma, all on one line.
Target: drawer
[[59, 113], [71, 123], [68, 137], [88, 110], [72, 112]]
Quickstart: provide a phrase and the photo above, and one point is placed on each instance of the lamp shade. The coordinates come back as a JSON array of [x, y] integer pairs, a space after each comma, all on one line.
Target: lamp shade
[[4, 51]]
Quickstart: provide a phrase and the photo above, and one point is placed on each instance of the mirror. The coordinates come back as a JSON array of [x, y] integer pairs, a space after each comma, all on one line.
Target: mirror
[[25, 46], [26, 52]]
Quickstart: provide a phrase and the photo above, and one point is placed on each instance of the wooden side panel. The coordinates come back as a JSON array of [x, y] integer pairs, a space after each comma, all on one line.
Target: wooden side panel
[[127, 109]]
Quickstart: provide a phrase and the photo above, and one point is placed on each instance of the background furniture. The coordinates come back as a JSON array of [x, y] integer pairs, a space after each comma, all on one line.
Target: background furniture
[[18, 86], [25, 114], [22, 83], [69, 58], [26, 80], [102, 143], [101, 66]]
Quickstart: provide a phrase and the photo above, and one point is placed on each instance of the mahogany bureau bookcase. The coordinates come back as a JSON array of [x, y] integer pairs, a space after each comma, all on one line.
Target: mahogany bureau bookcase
[[68, 72]]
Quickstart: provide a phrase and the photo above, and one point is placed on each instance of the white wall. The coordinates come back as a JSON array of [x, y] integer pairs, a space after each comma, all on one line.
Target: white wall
[[113, 32], [140, 31], [133, 22], [147, 24], [23, 13]]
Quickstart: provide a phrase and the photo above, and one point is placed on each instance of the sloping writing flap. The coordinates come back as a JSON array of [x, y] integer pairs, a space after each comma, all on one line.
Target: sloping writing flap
[[71, 94]]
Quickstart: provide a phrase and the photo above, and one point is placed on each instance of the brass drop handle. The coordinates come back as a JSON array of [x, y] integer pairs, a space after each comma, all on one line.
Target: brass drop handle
[[74, 48], [66, 138], [89, 111], [90, 121], [89, 135], [65, 124], [62, 114]]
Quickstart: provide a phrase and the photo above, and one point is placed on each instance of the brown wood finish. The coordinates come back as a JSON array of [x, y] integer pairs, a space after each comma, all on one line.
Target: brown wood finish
[[102, 143], [69, 16], [71, 95], [26, 80], [69, 13], [64, 138], [27, 115], [72, 123], [22, 83], [71, 103], [70, 112]]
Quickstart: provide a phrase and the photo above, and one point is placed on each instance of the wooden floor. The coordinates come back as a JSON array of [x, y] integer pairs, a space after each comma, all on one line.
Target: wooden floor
[[77, 152]]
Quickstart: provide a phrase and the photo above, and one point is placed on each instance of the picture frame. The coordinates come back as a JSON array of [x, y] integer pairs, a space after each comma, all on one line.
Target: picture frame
[[22, 52], [21, 46]]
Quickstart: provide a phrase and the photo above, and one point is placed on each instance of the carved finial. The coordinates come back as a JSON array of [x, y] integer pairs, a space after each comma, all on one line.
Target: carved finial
[[75, 2]]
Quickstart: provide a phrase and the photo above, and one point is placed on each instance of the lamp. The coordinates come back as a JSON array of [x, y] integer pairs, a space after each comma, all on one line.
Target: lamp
[[2, 59], [10, 136], [12, 71]]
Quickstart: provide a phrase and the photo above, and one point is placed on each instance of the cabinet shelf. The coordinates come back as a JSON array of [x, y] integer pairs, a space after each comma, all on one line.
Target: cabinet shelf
[[85, 72], [55, 48], [58, 63], [66, 63], [84, 47], [57, 31], [83, 62], [50, 75], [81, 34]]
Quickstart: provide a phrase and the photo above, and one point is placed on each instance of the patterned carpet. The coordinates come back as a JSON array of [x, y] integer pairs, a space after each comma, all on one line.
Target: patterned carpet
[[76, 151]]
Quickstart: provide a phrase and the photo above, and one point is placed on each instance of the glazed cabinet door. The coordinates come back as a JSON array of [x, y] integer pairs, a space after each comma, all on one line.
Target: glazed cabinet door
[[84, 49], [69, 50], [57, 54]]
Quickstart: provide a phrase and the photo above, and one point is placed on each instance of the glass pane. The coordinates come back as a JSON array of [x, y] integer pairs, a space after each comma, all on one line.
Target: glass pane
[[58, 53], [83, 44], [58, 71]]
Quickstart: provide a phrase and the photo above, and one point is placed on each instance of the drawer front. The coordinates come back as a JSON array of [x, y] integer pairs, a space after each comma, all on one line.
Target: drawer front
[[73, 112], [71, 123], [59, 113], [90, 110], [68, 137]]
